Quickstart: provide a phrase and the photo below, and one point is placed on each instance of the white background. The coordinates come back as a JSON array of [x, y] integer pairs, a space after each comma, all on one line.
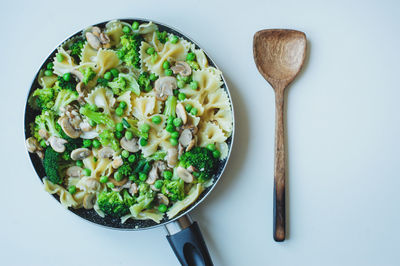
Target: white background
[[343, 125]]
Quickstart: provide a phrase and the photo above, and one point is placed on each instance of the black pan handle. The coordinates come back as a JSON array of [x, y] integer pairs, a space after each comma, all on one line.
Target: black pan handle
[[186, 240]]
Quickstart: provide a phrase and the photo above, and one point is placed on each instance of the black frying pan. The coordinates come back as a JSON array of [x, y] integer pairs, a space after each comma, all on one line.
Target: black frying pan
[[184, 235]]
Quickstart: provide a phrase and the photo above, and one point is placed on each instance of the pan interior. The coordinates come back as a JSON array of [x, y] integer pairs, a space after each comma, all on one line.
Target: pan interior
[[91, 215]]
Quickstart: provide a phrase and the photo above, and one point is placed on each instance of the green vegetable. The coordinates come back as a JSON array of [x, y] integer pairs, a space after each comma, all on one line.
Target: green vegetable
[[156, 119], [153, 77], [79, 163], [145, 128], [216, 154], [61, 83], [87, 143], [135, 25], [87, 172], [175, 188], [110, 185], [113, 204], [129, 51], [88, 75], [177, 122], [158, 184], [98, 117], [175, 134], [132, 177], [108, 76], [119, 127], [59, 57], [143, 142], [170, 106], [119, 111], [128, 135], [51, 164], [126, 29], [181, 84], [168, 72], [162, 208], [181, 96], [76, 48], [107, 138], [64, 97], [43, 98], [46, 121], [170, 128], [167, 175], [67, 76], [146, 197], [134, 128], [114, 72], [193, 64], [173, 141], [125, 123], [72, 189], [96, 143], [118, 134], [174, 39], [132, 158], [123, 83], [142, 176], [202, 159], [162, 36], [166, 64], [144, 81], [50, 66], [193, 111], [211, 147], [188, 107], [48, 73], [103, 179], [102, 82], [123, 105], [194, 84], [125, 154], [190, 56], [150, 50], [118, 176], [157, 156]]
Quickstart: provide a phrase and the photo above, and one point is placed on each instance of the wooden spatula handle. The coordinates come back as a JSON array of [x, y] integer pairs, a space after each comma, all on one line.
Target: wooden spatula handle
[[279, 169]]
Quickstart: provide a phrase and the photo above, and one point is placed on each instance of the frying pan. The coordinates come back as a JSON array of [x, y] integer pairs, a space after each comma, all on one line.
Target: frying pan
[[184, 235]]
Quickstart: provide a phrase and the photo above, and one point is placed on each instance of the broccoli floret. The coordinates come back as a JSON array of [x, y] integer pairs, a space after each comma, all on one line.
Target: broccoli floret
[[64, 97], [144, 81], [102, 82], [162, 36], [47, 121], [129, 52], [51, 163], [43, 98], [62, 84], [107, 137], [203, 160], [98, 117], [170, 106], [158, 156], [174, 189], [125, 169], [123, 83], [146, 197], [134, 128], [76, 47], [113, 204], [88, 75]]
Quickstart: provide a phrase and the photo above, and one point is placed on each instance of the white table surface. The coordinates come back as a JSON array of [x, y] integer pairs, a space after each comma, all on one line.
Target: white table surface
[[343, 124]]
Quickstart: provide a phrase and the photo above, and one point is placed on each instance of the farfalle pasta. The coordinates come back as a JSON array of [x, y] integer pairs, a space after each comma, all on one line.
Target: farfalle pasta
[[133, 122]]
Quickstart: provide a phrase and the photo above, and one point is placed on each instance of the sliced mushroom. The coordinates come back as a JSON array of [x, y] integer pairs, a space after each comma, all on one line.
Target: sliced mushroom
[[153, 175], [162, 199], [106, 152], [117, 162], [181, 112], [180, 150], [85, 126], [43, 133], [184, 174], [119, 183], [186, 137], [133, 189], [78, 75], [92, 184], [172, 157], [40, 154], [80, 154], [130, 145], [32, 144], [104, 39], [182, 68], [93, 40], [80, 88], [192, 169], [164, 87], [68, 128], [96, 31], [74, 171], [191, 144], [152, 187], [58, 144], [88, 201]]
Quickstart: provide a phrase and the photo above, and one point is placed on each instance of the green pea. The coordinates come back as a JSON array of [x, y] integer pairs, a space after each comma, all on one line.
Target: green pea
[[173, 141], [67, 76], [123, 105], [110, 185], [132, 177], [188, 107], [114, 72], [181, 84], [79, 163], [174, 39], [119, 127], [120, 54], [167, 175], [145, 135], [153, 77], [168, 72], [173, 197], [96, 143], [43, 143], [194, 84], [108, 76], [60, 57], [181, 96], [145, 128], [154, 57], [142, 176], [103, 179], [150, 50], [148, 88], [50, 66], [162, 208], [119, 111], [190, 56], [186, 79], [175, 134], [48, 73], [87, 172], [143, 142], [94, 159], [158, 184], [156, 119], [166, 64], [132, 158], [135, 25], [193, 111], [126, 29], [170, 128], [118, 176], [128, 135], [176, 92], [194, 65], [177, 122], [126, 123], [170, 120], [211, 147], [216, 154], [125, 153], [92, 123], [72, 189], [87, 143], [118, 134]]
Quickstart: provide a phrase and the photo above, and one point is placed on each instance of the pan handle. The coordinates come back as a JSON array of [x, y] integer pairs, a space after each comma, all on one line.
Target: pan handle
[[186, 240]]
